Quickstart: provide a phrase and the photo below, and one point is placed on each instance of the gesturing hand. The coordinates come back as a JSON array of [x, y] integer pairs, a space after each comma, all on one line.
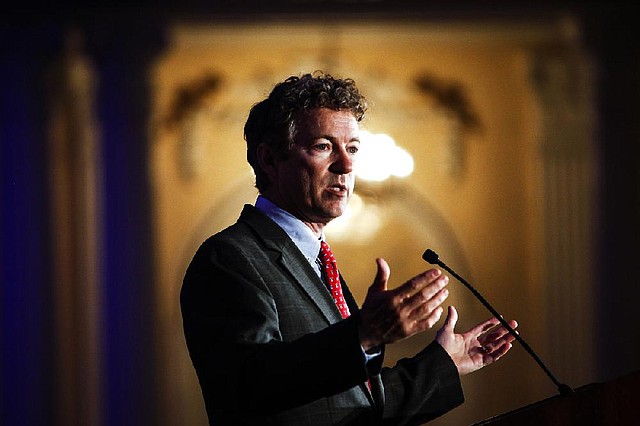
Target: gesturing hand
[[483, 344], [388, 316]]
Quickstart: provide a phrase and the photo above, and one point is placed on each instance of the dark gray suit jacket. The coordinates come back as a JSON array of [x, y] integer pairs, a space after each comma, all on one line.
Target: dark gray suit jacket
[[269, 345]]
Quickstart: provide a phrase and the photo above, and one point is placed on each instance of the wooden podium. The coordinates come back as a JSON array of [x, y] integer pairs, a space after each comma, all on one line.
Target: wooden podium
[[616, 402]]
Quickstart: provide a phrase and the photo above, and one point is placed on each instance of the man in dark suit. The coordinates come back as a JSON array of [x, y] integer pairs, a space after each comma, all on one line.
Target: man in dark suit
[[272, 329]]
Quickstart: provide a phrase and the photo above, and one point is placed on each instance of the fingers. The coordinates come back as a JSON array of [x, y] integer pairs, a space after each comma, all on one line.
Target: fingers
[[382, 276], [484, 326], [452, 319], [493, 354], [388, 316], [422, 288], [420, 298], [497, 339], [493, 334], [420, 311], [429, 321], [415, 285]]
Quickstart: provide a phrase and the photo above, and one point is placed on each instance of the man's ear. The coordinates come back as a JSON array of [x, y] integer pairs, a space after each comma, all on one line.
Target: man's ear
[[267, 160]]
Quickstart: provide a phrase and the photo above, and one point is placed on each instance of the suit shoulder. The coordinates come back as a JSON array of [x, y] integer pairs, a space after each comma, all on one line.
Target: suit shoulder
[[231, 239]]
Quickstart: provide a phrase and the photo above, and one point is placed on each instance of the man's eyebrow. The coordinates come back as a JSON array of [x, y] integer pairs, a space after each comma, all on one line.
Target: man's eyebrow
[[326, 137], [334, 139]]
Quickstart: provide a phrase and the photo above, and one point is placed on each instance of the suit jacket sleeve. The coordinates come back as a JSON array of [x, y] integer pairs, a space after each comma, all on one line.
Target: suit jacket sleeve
[[421, 388]]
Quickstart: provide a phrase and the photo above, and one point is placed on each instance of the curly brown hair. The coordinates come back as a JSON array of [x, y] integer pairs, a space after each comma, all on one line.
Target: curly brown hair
[[272, 121]]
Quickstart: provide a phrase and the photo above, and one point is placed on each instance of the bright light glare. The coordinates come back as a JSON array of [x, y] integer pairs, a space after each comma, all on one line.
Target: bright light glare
[[379, 158]]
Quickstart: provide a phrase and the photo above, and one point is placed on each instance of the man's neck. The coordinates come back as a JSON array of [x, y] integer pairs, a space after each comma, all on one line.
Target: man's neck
[[316, 227]]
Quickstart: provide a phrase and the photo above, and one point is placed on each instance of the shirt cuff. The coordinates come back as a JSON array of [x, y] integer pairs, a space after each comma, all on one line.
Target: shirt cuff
[[371, 354]]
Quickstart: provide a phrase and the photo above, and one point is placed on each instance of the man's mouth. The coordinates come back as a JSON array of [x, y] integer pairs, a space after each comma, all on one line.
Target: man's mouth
[[338, 189]]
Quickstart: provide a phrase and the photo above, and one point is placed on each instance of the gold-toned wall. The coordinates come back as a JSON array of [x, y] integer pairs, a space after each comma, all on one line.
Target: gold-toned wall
[[477, 194]]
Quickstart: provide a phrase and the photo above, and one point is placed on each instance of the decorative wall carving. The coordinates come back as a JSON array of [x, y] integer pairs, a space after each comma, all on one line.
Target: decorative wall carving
[[449, 100], [190, 110]]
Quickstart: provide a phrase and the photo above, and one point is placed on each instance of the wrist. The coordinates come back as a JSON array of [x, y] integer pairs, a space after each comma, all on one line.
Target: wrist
[[366, 340]]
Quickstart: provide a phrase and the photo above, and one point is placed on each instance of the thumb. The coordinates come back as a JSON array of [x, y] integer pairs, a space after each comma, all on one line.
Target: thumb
[[382, 276], [452, 319]]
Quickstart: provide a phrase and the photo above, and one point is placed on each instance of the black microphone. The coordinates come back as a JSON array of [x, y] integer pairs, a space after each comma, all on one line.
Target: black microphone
[[433, 258]]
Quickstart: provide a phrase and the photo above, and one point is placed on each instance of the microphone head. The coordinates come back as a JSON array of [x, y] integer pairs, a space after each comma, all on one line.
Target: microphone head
[[431, 257]]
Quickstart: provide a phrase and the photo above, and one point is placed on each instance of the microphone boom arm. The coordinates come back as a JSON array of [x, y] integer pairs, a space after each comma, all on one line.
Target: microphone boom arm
[[432, 257]]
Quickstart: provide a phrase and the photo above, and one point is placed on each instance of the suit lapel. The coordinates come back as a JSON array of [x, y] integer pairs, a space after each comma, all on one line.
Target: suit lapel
[[292, 260], [304, 275]]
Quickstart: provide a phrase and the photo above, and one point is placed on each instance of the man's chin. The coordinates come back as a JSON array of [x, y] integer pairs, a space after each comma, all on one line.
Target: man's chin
[[333, 214], [328, 211]]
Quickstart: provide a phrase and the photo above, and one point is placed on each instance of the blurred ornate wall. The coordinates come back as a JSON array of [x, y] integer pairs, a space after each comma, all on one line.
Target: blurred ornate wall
[[121, 150]]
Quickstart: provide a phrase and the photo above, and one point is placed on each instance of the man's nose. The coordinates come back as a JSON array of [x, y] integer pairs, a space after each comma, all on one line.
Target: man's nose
[[343, 162]]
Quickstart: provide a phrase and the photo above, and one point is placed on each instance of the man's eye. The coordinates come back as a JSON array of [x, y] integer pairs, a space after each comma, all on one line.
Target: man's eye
[[353, 149], [322, 146]]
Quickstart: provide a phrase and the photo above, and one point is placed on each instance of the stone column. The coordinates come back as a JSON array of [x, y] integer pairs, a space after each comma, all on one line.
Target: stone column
[[562, 79], [75, 169]]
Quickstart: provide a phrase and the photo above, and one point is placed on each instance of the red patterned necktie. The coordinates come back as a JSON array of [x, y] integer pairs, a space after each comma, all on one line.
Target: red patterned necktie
[[330, 267], [333, 278]]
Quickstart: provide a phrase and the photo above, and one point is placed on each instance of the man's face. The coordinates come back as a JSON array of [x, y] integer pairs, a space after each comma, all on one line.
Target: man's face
[[316, 180]]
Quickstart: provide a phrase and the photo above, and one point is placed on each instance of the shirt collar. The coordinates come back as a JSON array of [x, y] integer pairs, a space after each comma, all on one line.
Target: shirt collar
[[301, 235]]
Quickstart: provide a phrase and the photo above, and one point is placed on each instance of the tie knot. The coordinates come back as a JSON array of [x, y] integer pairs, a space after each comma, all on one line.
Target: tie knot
[[326, 255]]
